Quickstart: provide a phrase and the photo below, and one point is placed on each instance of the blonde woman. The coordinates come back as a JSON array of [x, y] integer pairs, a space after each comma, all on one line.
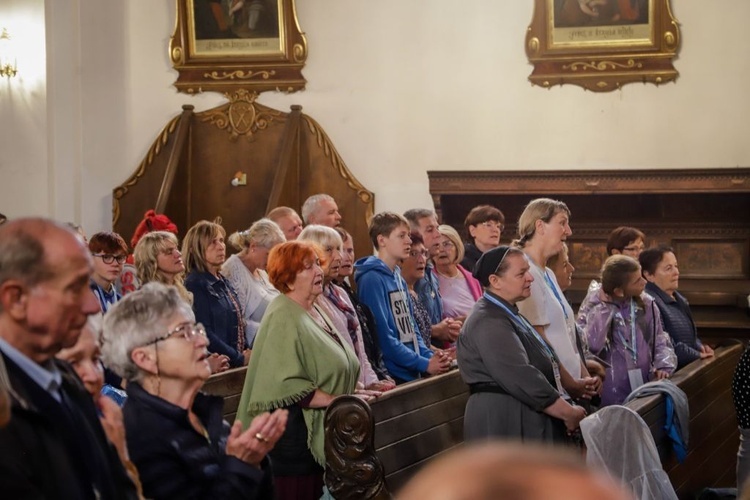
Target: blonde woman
[[458, 288], [158, 258], [543, 228], [246, 271]]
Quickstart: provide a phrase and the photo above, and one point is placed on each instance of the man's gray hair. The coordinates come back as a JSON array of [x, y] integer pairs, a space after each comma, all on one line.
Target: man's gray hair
[[22, 255], [414, 215], [139, 318], [311, 205]]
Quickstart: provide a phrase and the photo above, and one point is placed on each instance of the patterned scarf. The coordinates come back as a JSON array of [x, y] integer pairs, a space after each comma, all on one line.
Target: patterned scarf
[[351, 316]]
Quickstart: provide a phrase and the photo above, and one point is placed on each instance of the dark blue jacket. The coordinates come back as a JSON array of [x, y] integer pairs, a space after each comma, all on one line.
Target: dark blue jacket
[[678, 322], [215, 310], [175, 461], [50, 452]]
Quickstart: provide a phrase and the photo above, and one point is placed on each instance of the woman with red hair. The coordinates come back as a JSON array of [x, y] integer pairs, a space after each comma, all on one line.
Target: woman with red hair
[[300, 363]]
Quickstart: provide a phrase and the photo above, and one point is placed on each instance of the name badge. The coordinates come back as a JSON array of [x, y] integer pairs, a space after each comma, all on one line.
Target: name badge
[[636, 378]]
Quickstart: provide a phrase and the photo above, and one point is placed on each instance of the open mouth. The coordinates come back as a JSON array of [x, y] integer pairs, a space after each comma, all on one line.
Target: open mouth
[[204, 356], [318, 282]]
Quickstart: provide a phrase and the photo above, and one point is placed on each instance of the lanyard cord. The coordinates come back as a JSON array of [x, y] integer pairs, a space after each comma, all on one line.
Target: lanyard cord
[[524, 324], [552, 287]]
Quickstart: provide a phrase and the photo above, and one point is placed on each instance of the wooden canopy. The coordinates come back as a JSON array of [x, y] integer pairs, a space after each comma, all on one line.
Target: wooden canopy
[[286, 157]]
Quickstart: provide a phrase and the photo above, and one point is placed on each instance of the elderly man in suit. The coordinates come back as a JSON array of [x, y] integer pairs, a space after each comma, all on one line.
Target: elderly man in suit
[[54, 445]]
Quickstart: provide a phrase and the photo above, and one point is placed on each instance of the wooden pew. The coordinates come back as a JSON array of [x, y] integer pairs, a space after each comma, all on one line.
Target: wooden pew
[[228, 385], [374, 450], [714, 437]]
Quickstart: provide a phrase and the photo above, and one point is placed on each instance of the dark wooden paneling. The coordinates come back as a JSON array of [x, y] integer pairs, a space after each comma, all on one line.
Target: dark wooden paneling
[[704, 214]]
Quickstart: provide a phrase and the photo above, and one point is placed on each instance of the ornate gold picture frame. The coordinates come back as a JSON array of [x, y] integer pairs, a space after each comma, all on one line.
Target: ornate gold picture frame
[[226, 45], [602, 44]]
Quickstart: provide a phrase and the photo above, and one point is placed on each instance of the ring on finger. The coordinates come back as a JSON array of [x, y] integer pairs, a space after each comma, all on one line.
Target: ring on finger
[[260, 437]]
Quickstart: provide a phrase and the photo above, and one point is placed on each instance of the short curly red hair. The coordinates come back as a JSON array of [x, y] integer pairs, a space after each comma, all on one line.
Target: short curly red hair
[[289, 259]]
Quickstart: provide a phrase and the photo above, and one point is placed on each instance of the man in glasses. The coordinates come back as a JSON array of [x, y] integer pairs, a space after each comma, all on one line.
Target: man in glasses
[[109, 252], [54, 445]]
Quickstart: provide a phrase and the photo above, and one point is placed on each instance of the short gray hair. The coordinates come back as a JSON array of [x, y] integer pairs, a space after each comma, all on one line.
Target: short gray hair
[[322, 235], [139, 318], [22, 252], [264, 233], [311, 205], [414, 215]]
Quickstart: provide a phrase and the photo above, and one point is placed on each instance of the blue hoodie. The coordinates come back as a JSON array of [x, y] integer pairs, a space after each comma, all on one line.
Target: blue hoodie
[[385, 293]]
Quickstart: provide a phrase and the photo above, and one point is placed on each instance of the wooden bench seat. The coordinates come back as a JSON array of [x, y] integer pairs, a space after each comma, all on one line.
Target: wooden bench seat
[[373, 450]]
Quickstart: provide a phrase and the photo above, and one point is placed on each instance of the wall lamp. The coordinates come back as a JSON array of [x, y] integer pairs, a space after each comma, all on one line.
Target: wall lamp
[[6, 68]]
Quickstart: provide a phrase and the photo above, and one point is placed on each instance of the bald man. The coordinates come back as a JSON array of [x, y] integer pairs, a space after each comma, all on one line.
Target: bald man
[[54, 445], [510, 471]]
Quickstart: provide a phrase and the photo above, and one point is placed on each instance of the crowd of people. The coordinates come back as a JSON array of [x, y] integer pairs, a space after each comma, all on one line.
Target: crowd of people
[[104, 351]]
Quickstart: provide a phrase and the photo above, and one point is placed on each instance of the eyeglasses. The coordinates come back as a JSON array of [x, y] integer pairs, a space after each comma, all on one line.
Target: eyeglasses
[[187, 331], [635, 248], [424, 253], [491, 224], [446, 244], [108, 258]]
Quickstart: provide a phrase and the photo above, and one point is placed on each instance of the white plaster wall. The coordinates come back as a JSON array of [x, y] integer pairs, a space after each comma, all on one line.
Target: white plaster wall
[[406, 87], [23, 113]]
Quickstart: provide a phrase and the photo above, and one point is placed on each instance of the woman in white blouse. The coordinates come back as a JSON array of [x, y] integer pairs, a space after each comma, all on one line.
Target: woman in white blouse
[[246, 271]]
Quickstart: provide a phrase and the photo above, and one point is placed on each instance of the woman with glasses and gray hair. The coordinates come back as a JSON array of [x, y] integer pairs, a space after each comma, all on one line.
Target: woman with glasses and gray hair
[[176, 436], [512, 371]]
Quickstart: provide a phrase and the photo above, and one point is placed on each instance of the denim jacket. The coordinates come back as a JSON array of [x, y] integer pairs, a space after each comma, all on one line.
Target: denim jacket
[[214, 308]]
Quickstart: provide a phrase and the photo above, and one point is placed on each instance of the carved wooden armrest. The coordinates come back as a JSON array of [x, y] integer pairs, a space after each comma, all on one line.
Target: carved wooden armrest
[[353, 470]]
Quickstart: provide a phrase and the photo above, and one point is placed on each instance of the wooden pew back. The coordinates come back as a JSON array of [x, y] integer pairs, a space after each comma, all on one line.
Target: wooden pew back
[[714, 437], [375, 449]]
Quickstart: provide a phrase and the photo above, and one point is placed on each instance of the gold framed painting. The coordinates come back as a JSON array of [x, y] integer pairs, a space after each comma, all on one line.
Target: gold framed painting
[[227, 45], [602, 44]]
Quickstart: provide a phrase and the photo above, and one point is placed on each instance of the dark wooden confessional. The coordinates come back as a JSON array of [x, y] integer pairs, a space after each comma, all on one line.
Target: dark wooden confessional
[[284, 157]]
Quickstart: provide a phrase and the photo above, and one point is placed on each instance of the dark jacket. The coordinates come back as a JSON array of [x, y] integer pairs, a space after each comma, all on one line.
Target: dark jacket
[[471, 256], [175, 461], [48, 451], [214, 308], [678, 323]]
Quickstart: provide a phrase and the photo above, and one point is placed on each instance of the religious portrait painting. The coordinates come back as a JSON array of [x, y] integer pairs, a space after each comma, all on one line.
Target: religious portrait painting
[[222, 45], [602, 44]]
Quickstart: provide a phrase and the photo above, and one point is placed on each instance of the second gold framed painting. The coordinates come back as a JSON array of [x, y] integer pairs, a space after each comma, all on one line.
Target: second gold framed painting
[[602, 44]]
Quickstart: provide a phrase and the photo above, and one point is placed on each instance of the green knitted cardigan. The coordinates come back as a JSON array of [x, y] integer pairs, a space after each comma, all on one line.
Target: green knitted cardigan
[[293, 356]]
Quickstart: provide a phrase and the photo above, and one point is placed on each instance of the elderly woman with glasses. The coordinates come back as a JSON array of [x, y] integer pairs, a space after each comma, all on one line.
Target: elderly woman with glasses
[[109, 252], [512, 371], [301, 363], [484, 225], [176, 436], [458, 288]]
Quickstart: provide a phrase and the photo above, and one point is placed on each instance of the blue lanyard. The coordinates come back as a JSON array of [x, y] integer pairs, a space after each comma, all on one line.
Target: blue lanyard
[[548, 280], [524, 324], [633, 347]]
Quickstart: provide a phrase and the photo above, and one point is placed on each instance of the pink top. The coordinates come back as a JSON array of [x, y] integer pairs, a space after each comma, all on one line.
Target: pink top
[[459, 293]]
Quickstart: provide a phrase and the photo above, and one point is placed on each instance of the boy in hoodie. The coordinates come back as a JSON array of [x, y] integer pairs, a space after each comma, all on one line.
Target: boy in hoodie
[[381, 287]]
